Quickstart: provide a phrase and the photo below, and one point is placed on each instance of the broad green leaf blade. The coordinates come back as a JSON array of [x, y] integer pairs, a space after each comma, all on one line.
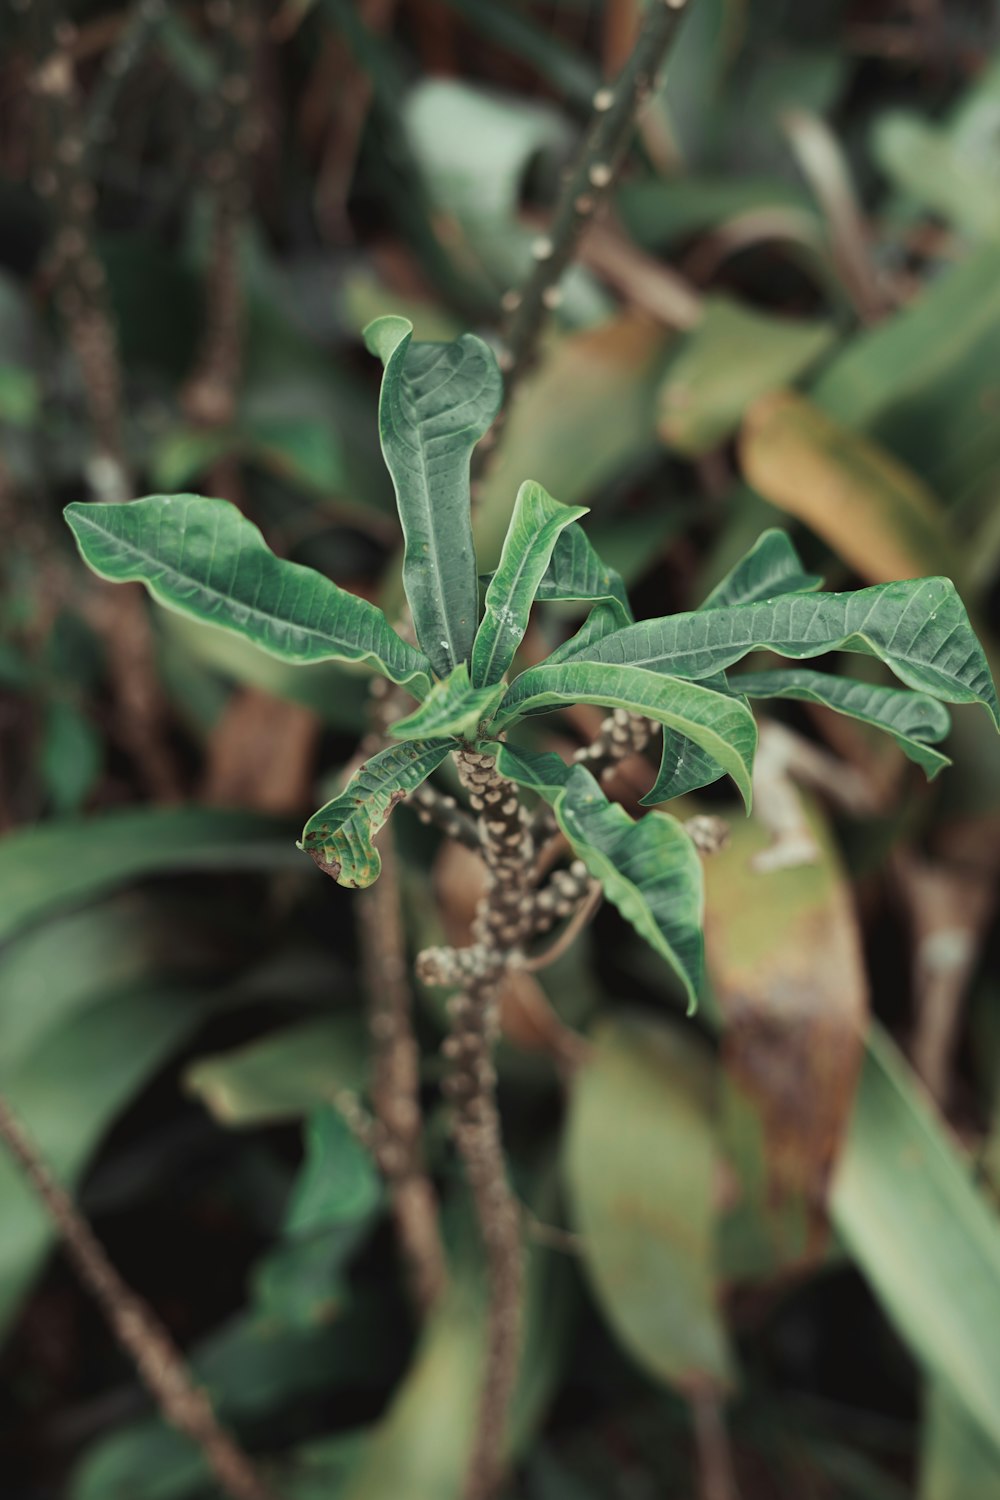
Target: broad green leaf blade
[[649, 869], [576, 575], [534, 530], [202, 558], [453, 707], [721, 725], [604, 619], [69, 861], [339, 836], [421, 1444], [283, 1075], [640, 1162], [437, 401], [957, 1459], [771, 567], [904, 1204], [337, 1183], [684, 767], [915, 721], [919, 628]]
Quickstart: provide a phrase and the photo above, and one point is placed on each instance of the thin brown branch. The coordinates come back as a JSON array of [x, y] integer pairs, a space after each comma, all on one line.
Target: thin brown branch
[[588, 182], [396, 1082], [501, 926], [75, 268], [81, 297], [156, 1357], [210, 396], [570, 932], [716, 1477]]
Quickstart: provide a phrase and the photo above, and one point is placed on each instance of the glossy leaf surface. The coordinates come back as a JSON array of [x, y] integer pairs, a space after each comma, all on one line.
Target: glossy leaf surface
[[204, 559], [339, 836], [649, 869], [772, 566], [453, 707], [437, 402], [919, 628], [915, 721], [721, 725], [576, 574], [533, 533]]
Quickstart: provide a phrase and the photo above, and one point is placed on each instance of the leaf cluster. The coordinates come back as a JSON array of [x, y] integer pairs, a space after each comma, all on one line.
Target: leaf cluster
[[201, 557]]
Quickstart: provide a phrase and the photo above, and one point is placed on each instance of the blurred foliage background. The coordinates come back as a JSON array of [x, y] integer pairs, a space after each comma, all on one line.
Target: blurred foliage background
[[764, 1244]]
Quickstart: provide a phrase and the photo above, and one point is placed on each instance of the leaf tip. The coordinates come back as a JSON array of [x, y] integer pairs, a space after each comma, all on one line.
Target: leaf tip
[[383, 335]]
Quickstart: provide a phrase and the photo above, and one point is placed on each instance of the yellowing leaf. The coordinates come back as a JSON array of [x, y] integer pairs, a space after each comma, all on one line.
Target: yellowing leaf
[[868, 506], [640, 1160]]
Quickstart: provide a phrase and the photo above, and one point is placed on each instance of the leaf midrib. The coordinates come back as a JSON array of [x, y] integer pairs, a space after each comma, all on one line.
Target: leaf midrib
[[166, 571]]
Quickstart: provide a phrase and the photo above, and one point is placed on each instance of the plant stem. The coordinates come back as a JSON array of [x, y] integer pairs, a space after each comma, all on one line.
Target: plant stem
[[210, 396], [396, 1081], [587, 185], [159, 1362], [501, 926], [62, 180]]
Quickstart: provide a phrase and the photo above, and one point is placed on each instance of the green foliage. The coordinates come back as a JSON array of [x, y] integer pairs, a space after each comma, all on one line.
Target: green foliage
[[534, 532], [908, 1212], [437, 401], [915, 721], [794, 322], [645, 1214], [649, 869], [920, 629], [339, 836], [201, 557]]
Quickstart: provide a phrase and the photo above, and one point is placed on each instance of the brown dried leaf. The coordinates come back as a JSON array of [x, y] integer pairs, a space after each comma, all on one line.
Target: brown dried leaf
[[260, 754], [785, 959], [872, 510]]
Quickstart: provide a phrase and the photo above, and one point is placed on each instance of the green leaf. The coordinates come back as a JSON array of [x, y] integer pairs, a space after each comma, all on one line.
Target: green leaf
[[918, 627], [576, 574], [640, 1160], [437, 401], [721, 725], [72, 754], [534, 530], [338, 1183], [924, 1238], [453, 707], [62, 863], [301, 1282], [421, 1444], [684, 767], [771, 567], [284, 1075], [920, 382], [603, 620], [913, 720], [339, 836], [649, 869], [202, 558], [957, 1459], [733, 355], [68, 1090]]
